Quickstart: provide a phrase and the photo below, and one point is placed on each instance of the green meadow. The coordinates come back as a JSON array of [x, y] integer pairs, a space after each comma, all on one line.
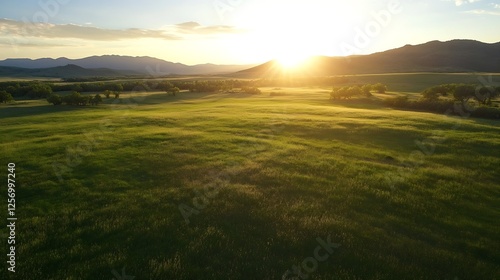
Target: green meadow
[[238, 186]]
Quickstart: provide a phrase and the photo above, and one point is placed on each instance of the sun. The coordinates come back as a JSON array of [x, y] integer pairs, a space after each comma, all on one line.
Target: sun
[[292, 60]]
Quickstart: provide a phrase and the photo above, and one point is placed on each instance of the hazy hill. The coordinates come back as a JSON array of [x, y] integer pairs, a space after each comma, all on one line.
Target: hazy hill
[[67, 71], [142, 65], [435, 56]]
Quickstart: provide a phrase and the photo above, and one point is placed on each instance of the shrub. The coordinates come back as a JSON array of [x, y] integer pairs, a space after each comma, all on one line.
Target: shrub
[[398, 102], [55, 99], [367, 90], [75, 98], [96, 99], [173, 90], [379, 87], [251, 90], [107, 93], [5, 97], [486, 112]]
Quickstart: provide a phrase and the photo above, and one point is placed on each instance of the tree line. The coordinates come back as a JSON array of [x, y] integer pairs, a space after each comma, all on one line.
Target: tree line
[[349, 92], [477, 99]]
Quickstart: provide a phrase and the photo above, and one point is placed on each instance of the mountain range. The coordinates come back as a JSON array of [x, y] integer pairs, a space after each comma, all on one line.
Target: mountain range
[[111, 65], [434, 56]]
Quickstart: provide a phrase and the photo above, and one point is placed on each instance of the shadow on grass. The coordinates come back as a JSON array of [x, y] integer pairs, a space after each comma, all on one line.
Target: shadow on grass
[[16, 111]]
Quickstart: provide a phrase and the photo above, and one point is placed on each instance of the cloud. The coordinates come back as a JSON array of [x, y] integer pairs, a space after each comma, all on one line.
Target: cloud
[[46, 30], [493, 12], [483, 12], [462, 2], [195, 28]]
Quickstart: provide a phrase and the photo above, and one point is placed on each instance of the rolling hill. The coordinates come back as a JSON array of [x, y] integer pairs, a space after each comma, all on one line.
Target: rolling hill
[[67, 71], [434, 56], [140, 65]]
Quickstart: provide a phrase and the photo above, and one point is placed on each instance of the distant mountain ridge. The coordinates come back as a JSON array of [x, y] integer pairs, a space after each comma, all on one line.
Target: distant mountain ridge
[[67, 71], [434, 56], [139, 65]]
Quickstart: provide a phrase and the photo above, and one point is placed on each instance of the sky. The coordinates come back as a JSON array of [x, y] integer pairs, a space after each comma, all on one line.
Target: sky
[[236, 31]]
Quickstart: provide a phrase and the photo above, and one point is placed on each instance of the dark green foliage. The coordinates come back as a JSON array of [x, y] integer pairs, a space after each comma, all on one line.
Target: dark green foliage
[[96, 99], [117, 95], [5, 97], [77, 87], [347, 92], [486, 94], [367, 90], [107, 93], [251, 90], [463, 92], [39, 90], [443, 107], [76, 99], [55, 99], [174, 90], [379, 87]]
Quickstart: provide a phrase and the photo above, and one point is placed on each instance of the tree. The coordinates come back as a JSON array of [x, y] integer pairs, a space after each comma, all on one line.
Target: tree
[[55, 99], [117, 95], [107, 93], [367, 90], [430, 95], [77, 87], [96, 100], [165, 86], [251, 90], [39, 90], [174, 90], [379, 87], [117, 87], [484, 95], [464, 92], [5, 97], [75, 98]]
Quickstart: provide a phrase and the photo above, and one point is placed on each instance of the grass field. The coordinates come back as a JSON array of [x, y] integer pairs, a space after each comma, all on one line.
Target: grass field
[[233, 186]]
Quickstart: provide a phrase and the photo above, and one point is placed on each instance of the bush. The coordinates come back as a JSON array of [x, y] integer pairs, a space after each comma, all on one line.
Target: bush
[[39, 90], [379, 87], [367, 90], [173, 90], [75, 98], [55, 99], [346, 92], [5, 97], [251, 90], [397, 102], [96, 100], [464, 92], [107, 93], [486, 112]]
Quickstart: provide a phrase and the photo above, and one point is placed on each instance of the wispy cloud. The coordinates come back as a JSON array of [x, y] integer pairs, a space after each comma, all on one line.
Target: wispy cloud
[[196, 28], [483, 12], [45, 30], [462, 2], [494, 12]]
